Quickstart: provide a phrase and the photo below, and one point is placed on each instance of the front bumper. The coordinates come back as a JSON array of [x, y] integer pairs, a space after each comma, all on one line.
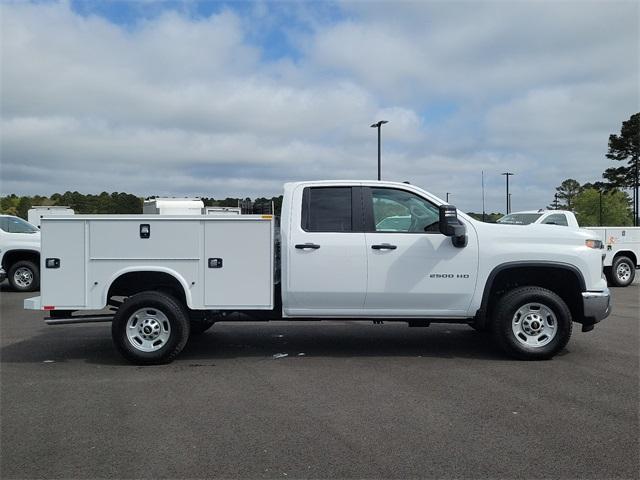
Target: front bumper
[[596, 307], [3, 274]]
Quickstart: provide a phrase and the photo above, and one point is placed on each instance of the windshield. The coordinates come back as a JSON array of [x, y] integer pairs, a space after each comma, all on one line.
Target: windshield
[[16, 225], [520, 218]]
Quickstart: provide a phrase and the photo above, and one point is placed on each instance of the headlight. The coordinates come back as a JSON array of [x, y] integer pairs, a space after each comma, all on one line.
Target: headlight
[[594, 244]]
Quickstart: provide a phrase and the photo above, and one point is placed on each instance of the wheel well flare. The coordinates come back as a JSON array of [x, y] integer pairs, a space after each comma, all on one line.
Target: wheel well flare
[[566, 283], [13, 256], [629, 254], [130, 283]]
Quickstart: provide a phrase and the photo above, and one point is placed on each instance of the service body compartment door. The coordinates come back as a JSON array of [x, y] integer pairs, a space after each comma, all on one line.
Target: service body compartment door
[[238, 264], [64, 286], [167, 239]]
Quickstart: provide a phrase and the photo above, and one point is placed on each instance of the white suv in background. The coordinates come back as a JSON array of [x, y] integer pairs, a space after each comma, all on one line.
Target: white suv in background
[[19, 253]]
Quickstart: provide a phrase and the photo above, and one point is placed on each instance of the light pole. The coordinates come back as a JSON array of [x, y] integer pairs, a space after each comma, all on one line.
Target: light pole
[[378, 125], [508, 174]]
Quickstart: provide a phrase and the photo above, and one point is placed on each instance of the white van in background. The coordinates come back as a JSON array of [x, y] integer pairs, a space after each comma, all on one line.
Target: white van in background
[[37, 212], [173, 206]]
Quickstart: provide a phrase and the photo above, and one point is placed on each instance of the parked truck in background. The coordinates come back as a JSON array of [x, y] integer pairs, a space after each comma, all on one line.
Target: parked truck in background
[[166, 278], [34, 214], [222, 211], [622, 244], [173, 206], [19, 253]]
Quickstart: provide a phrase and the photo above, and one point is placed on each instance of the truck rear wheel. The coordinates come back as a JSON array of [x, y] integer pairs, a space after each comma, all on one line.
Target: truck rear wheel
[[532, 323], [622, 272], [24, 276], [150, 328]]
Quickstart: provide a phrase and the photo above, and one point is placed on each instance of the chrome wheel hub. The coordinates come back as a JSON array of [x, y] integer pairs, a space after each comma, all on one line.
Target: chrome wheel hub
[[623, 272], [534, 325], [23, 277], [148, 329]]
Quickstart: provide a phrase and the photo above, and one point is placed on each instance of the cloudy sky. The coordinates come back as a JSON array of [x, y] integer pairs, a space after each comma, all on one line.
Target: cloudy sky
[[227, 99]]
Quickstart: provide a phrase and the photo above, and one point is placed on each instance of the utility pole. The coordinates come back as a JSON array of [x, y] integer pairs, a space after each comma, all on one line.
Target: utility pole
[[483, 213], [555, 201], [507, 175], [378, 125], [447, 197]]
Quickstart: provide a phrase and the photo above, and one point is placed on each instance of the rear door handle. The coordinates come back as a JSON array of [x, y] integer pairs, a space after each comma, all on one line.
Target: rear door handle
[[302, 246], [384, 246]]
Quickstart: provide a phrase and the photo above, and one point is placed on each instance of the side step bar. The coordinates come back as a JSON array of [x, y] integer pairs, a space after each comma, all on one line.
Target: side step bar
[[107, 317]]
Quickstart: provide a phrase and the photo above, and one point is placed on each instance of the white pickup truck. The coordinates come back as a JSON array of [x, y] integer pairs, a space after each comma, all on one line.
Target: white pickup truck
[[338, 257], [622, 244], [19, 253]]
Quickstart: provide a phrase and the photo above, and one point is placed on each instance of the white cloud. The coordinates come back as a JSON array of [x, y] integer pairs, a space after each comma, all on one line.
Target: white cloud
[[182, 104]]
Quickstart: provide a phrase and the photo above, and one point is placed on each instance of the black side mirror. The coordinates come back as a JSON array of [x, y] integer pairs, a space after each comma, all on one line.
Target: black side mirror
[[450, 226]]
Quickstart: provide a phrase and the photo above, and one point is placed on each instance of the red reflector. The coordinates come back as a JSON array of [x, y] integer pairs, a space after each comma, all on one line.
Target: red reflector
[[48, 307]]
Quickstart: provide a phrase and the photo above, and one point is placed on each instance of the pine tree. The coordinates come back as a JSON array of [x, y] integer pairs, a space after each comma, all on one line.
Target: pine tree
[[626, 146]]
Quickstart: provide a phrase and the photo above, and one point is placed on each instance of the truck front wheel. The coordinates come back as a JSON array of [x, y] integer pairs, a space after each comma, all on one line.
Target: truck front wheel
[[622, 272], [532, 323], [24, 276], [150, 328]]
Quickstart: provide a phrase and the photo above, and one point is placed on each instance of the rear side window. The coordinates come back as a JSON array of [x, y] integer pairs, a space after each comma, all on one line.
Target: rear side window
[[556, 219], [327, 209]]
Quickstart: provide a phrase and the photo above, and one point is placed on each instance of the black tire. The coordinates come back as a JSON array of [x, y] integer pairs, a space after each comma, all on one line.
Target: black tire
[[623, 271], [170, 311], [21, 284], [607, 275], [505, 313]]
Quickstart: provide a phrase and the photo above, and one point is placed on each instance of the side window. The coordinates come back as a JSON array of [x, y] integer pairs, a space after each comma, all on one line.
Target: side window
[[327, 209], [403, 212], [16, 225], [556, 219]]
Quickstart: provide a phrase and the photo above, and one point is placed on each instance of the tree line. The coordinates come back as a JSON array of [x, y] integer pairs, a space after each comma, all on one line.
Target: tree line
[[120, 203]]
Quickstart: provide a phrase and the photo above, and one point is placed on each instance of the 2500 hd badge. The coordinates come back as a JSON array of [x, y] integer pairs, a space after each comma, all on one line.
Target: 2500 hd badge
[[449, 275]]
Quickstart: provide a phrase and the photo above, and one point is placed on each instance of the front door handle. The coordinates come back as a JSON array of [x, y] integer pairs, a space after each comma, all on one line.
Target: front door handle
[[384, 246], [303, 246]]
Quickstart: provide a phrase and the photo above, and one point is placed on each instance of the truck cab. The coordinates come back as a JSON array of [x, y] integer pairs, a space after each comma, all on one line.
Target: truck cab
[[349, 250], [375, 250]]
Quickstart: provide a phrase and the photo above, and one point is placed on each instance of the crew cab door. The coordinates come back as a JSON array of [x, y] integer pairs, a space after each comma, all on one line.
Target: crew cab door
[[326, 256], [414, 270]]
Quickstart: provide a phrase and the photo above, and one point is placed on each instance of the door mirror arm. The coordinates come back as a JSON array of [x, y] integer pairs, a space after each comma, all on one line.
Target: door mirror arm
[[450, 226]]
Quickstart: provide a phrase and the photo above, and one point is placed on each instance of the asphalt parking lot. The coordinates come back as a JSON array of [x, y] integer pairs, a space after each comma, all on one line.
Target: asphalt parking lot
[[351, 400]]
